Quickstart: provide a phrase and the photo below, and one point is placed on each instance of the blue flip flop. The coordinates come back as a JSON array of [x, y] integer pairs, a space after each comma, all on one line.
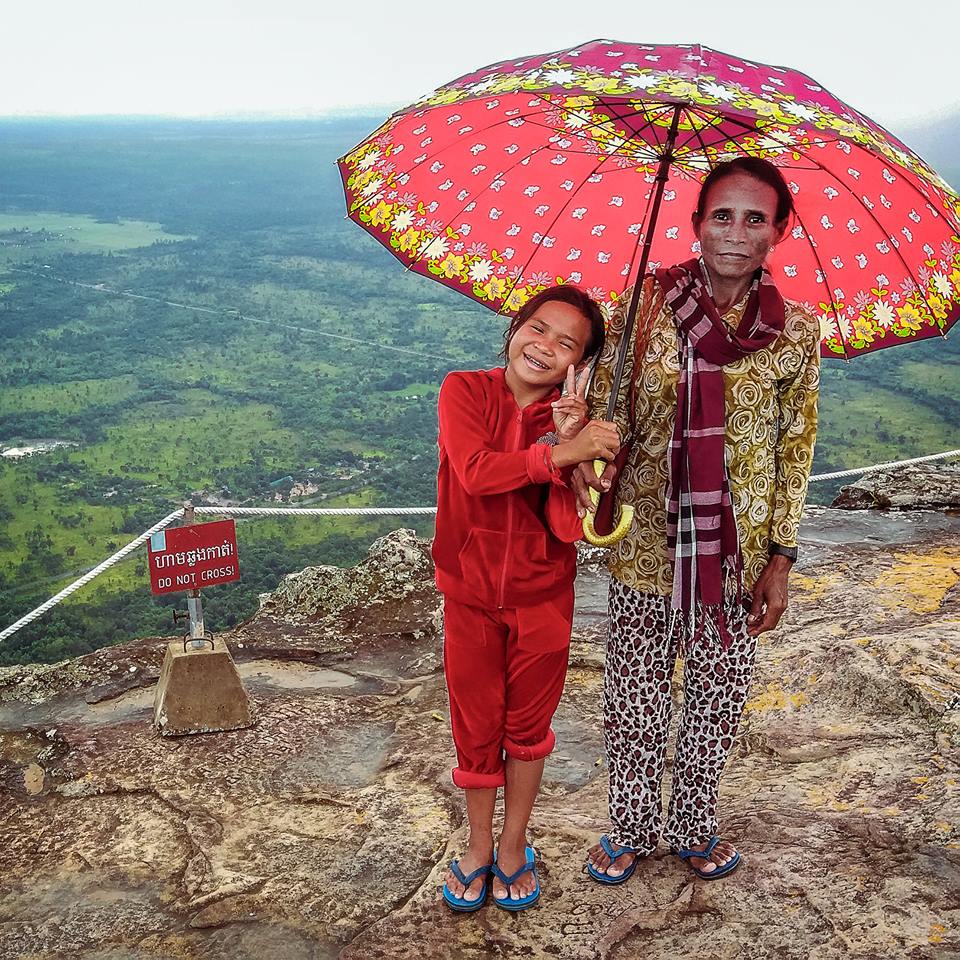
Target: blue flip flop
[[514, 906], [613, 852], [461, 904], [723, 871]]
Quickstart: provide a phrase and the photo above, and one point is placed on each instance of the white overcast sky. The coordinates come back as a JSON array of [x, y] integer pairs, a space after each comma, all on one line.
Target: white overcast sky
[[895, 62]]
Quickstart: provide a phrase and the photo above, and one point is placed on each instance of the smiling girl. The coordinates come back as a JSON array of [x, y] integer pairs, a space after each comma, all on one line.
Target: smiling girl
[[505, 563]]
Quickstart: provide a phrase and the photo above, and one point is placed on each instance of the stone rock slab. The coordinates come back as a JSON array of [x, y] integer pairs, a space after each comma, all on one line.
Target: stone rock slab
[[324, 830], [918, 486]]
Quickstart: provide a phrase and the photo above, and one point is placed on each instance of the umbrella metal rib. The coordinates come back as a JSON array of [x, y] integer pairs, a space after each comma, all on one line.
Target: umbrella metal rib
[[406, 172], [662, 175], [652, 198], [531, 118], [649, 124], [697, 134], [894, 246], [823, 273], [604, 126], [647, 231], [552, 223]]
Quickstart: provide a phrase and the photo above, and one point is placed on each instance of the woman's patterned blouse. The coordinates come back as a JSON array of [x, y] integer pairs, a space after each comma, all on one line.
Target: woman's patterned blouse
[[771, 426]]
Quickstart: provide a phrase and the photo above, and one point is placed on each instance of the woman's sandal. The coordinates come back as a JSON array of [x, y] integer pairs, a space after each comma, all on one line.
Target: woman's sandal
[[715, 874], [461, 904], [613, 853], [507, 903]]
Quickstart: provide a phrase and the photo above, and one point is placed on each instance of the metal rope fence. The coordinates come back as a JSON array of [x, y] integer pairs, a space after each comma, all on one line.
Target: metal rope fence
[[177, 515], [838, 474], [90, 574], [343, 512]]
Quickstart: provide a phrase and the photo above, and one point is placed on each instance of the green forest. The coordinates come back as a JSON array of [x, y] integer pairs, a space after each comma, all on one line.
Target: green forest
[[185, 311]]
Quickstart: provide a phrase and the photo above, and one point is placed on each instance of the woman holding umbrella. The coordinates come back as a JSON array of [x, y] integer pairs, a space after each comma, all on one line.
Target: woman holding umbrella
[[720, 398]]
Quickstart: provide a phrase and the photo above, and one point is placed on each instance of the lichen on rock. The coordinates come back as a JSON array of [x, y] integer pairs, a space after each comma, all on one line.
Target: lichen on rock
[[387, 592]]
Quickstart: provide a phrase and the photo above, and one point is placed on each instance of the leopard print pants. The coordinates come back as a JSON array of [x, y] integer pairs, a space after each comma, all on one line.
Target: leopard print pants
[[641, 655]]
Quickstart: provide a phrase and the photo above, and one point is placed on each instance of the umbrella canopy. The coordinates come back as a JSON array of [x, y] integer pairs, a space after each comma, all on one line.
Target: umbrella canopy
[[544, 169]]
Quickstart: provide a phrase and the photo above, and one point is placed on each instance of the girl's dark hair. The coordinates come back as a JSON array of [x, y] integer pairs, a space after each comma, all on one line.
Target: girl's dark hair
[[761, 170], [565, 293]]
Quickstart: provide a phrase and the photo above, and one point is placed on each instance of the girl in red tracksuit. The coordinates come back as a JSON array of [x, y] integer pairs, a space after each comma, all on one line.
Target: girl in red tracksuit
[[505, 563]]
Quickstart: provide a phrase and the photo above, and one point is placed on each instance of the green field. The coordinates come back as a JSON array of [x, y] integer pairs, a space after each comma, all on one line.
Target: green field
[[876, 424], [166, 403], [29, 235], [69, 397]]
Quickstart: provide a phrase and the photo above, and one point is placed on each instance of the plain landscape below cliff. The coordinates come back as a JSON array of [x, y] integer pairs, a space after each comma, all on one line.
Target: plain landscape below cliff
[[324, 830]]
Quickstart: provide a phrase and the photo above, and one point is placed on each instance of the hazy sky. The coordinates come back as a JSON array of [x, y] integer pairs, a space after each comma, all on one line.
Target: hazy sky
[[201, 57]]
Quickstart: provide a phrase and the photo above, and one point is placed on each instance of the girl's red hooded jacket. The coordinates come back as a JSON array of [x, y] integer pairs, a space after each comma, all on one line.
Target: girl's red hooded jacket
[[506, 518]]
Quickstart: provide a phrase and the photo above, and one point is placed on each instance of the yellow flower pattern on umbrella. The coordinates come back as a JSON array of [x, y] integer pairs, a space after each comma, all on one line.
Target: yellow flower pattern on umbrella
[[540, 170]]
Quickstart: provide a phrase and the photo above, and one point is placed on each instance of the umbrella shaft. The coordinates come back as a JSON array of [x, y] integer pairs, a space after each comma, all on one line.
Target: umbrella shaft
[[663, 173]]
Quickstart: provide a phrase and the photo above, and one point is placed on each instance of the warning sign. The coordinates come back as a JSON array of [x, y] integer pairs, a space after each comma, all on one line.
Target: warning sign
[[190, 558]]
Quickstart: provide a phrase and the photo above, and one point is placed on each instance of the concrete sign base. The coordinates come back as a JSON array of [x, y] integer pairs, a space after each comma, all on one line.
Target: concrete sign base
[[199, 691]]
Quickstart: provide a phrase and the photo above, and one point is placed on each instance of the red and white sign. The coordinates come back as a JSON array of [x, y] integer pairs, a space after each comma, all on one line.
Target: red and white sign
[[189, 558]]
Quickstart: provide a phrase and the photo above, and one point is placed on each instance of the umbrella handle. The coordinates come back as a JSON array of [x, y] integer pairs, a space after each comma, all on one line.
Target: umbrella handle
[[623, 523]]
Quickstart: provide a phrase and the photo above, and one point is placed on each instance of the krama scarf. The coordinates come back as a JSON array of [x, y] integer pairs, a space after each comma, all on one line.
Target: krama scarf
[[701, 526]]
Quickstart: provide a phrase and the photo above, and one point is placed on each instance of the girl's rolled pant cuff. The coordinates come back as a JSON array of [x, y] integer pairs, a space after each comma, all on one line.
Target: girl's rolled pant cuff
[[468, 780], [530, 751]]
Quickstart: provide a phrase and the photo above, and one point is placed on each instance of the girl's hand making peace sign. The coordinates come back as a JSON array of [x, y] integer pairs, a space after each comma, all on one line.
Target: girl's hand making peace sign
[[570, 411]]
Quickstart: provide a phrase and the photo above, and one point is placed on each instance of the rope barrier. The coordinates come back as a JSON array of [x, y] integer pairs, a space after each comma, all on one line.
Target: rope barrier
[[90, 574], [178, 514], [884, 466], [342, 512]]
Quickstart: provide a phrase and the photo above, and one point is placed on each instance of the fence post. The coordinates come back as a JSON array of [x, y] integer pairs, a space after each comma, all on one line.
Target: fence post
[[194, 601]]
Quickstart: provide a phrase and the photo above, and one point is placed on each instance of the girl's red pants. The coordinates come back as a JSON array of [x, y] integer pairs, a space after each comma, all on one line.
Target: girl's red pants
[[505, 671]]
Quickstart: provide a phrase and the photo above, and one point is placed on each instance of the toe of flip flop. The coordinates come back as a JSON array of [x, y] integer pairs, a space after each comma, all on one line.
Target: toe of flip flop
[[523, 903], [463, 904], [612, 880]]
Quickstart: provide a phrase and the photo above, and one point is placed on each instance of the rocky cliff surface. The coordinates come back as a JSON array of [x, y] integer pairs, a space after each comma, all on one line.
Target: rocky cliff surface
[[324, 830]]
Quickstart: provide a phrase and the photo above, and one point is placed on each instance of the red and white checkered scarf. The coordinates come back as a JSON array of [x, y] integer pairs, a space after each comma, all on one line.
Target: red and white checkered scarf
[[701, 526]]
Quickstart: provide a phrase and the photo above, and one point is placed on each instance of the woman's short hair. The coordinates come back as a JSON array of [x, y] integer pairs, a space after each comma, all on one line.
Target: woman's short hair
[[565, 293], [761, 170]]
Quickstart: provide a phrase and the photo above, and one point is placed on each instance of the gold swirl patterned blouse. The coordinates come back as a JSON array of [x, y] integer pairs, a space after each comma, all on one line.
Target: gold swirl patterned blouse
[[771, 426]]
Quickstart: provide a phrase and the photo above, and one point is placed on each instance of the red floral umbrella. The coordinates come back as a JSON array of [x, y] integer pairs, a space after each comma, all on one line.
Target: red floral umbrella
[[581, 165]]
